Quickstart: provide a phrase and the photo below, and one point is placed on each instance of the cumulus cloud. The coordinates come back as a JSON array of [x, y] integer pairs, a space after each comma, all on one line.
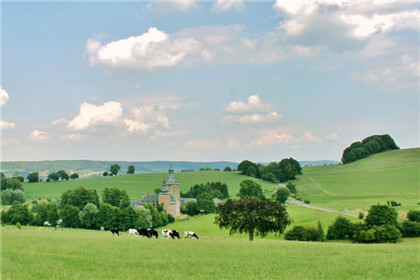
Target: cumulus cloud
[[253, 111], [4, 97], [226, 5], [173, 6], [151, 50], [92, 115], [332, 136], [275, 137], [39, 136], [6, 125]]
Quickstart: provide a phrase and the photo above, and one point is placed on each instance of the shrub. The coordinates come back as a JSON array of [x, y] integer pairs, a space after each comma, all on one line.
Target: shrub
[[379, 215], [342, 228], [8, 196], [302, 233], [19, 226], [413, 215], [361, 215], [18, 213], [291, 187], [410, 229], [377, 234], [307, 201], [281, 195]]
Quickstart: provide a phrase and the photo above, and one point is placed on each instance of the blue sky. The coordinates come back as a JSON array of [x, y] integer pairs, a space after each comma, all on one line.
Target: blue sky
[[206, 81]]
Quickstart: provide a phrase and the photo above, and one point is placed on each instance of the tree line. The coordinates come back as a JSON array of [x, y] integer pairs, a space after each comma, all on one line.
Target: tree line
[[82, 208], [370, 145], [283, 171]]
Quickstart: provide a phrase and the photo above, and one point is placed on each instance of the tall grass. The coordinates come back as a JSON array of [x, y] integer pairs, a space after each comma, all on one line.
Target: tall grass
[[82, 254]]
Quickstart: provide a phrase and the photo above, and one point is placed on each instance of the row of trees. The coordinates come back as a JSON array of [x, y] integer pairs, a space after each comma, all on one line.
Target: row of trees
[[82, 208], [370, 145], [61, 174], [285, 170], [115, 168]]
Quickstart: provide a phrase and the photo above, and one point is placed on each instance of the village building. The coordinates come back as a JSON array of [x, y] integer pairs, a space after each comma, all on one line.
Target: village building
[[169, 196]]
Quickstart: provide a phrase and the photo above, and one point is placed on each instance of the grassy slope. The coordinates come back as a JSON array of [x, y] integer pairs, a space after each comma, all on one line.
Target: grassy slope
[[83, 254], [392, 175]]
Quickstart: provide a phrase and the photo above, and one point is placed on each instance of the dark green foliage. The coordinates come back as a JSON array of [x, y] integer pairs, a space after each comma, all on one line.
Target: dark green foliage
[[191, 208], [74, 176], [410, 229], [128, 218], [63, 175], [9, 196], [215, 189], [245, 165], [227, 168], [53, 177], [33, 177], [19, 178], [368, 146], [45, 212], [18, 212], [281, 195], [108, 216], [105, 174], [70, 216], [361, 215], [116, 197], [114, 169], [79, 197], [414, 215], [144, 218], [159, 218], [269, 177], [130, 170], [379, 215], [250, 188], [309, 233], [377, 234], [88, 216], [307, 201], [291, 187], [252, 215], [205, 203], [341, 229], [11, 183]]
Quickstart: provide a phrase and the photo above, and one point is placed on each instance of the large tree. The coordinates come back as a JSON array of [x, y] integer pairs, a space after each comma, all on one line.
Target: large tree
[[114, 169], [33, 177], [11, 183], [79, 197], [116, 197], [63, 175], [130, 170], [250, 188], [252, 216]]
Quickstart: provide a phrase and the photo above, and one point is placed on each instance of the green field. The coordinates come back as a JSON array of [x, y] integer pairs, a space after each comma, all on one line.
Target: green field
[[32, 253], [393, 175], [137, 184]]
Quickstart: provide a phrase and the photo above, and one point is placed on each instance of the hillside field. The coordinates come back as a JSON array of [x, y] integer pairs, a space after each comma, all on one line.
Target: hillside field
[[85, 254]]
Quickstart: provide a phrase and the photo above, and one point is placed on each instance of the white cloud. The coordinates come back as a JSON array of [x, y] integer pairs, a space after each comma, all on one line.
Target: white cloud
[[39, 136], [75, 137], [226, 5], [4, 96], [308, 137], [275, 137], [332, 136], [173, 6], [92, 115], [6, 125], [233, 144], [151, 50], [254, 104], [253, 118]]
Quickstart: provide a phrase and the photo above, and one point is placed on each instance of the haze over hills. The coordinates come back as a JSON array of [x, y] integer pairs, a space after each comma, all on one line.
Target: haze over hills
[[91, 168]]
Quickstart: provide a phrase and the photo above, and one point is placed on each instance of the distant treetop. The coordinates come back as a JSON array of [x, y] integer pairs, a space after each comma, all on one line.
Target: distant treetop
[[371, 145]]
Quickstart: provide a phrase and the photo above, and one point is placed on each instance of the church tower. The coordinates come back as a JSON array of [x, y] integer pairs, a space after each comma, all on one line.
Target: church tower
[[172, 185]]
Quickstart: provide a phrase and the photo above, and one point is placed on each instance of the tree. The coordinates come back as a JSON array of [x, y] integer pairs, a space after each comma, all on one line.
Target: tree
[[413, 215], [114, 169], [291, 187], [107, 216], [11, 183], [144, 218], [74, 176], [191, 208], [88, 215], [18, 212], [63, 175], [250, 188], [8, 196], [227, 168], [105, 174], [70, 216], [116, 197], [130, 170], [128, 218], [269, 177], [245, 165], [79, 197], [341, 229], [53, 177], [253, 216], [33, 177], [281, 195], [379, 215], [19, 178]]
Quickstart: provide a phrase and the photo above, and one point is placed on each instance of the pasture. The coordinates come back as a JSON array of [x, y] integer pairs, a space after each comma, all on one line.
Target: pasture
[[31, 253]]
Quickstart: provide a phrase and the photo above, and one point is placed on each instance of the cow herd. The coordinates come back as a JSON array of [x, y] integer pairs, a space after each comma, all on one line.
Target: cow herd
[[151, 232]]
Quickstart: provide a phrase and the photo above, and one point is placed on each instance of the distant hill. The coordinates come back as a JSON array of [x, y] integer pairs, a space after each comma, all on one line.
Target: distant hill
[[91, 169]]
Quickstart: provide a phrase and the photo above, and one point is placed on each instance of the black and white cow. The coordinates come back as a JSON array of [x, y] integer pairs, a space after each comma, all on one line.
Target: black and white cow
[[153, 232], [191, 234], [115, 231], [144, 232], [170, 233]]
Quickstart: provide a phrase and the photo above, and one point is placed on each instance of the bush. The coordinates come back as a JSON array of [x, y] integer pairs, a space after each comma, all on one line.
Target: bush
[[413, 215], [18, 225], [410, 229], [341, 229], [302, 233], [379, 215], [18, 213], [281, 195], [291, 187], [307, 201], [361, 215], [377, 234]]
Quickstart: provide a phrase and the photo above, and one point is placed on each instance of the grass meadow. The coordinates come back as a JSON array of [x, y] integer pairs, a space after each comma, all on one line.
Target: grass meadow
[[32, 253]]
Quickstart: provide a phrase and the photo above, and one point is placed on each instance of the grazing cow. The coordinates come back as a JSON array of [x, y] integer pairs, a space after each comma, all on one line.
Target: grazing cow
[[153, 232], [46, 223], [144, 232], [170, 233], [115, 231], [191, 234], [133, 231]]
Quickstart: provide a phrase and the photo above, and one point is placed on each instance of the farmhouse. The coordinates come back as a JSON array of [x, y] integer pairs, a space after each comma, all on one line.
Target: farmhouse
[[169, 196]]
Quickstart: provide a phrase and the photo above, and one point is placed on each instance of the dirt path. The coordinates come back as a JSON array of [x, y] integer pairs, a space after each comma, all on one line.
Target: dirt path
[[300, 203], [319, 186]]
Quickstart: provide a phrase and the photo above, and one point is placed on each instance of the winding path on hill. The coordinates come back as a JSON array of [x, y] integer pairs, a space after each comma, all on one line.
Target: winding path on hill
[[300, 203]]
